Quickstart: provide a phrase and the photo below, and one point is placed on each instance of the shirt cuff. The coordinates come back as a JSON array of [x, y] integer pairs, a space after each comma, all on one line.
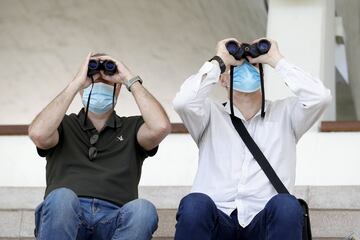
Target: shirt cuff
[[211, 69], [197, 82], [282, 65]]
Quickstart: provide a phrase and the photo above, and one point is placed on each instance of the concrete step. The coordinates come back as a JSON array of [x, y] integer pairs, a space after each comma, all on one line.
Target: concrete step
[[334, 211]]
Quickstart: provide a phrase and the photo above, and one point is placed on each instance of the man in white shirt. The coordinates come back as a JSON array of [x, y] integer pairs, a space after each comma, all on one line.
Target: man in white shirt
[[231, 197]]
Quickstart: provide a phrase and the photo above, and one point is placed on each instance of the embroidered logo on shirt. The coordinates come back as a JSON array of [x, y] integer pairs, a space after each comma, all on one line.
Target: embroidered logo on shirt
[[120, 138]]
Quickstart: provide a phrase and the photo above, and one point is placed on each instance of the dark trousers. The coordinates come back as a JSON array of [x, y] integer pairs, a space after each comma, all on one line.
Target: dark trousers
[[198, 218]]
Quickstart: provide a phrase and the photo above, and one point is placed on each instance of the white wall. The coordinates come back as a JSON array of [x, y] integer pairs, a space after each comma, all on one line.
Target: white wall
[[44, 42], [304, 31]]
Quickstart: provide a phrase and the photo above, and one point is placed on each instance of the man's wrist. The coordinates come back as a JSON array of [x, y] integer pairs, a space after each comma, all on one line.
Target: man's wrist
[[74, 86], [273, 61], [220, 62], [215, 62], [135, 86], [129, 83], [129, 76]]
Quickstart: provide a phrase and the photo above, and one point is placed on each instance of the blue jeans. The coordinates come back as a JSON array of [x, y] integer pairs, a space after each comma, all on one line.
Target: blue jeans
[[198, 218], [63, 215]]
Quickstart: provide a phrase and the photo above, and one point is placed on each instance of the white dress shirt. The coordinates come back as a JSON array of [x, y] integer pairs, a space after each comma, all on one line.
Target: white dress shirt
[[227, 171]]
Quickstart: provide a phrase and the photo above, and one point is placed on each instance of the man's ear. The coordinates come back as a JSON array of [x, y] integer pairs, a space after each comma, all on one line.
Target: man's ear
[[225, 80]]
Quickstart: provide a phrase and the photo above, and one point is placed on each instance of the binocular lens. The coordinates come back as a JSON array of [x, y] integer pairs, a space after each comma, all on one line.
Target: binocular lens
[[246, 49], [264, 46], [93, 64], [232, 47], [109, 65]]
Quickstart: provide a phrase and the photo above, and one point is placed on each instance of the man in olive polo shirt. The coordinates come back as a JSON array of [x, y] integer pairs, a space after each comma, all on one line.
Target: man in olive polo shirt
[[94, 158]]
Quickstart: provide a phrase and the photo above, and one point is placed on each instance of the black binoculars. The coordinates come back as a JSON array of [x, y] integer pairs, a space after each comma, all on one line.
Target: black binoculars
[[109, 67], [245, 49]]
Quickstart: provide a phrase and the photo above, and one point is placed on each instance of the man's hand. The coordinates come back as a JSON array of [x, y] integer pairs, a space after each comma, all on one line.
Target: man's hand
[[81, 80], [272, 57], [123, 72], [43, 130], [222, 52]]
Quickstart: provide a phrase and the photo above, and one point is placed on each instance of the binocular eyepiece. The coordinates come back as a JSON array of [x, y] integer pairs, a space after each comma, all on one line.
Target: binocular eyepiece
[[109, 67], [245, 49]]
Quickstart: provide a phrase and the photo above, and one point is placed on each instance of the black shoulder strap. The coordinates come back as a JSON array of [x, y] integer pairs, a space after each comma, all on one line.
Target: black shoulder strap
[[258, 155]]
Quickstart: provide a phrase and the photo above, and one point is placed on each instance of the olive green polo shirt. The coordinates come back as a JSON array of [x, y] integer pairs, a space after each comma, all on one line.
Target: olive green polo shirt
[[114, 173]]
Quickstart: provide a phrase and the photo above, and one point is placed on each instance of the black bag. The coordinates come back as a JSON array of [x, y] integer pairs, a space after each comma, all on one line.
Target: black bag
[[269, 171]]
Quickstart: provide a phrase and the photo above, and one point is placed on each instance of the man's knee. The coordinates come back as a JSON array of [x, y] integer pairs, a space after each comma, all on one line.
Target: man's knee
[[195, 207], [142, 213], [285, 208], [58, 212], [62, 201]]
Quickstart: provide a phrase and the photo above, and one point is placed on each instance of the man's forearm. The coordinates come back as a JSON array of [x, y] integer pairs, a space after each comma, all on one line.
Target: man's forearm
[[151, 110], [48, 120]]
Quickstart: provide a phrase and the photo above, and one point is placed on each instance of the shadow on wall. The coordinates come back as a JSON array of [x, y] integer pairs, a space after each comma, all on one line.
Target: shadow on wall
[[44, 43]]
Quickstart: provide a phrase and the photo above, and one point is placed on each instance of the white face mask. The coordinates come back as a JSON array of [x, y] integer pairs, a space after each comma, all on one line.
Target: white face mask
[[101, 98]]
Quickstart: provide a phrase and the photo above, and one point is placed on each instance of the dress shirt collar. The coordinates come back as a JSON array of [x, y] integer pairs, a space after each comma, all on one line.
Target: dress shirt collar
[[238, 113]]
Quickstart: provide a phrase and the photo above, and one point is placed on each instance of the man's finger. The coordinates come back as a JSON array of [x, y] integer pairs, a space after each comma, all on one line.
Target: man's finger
[[252, 60], [96, 76], [111, 78], [257, 40], [240, 62], [230, 39], [86, 62], [106, 57], [88, 57]]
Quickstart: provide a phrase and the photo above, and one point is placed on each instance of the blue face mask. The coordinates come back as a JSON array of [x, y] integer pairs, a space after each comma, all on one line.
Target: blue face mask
[[246, 78], [101, 98]]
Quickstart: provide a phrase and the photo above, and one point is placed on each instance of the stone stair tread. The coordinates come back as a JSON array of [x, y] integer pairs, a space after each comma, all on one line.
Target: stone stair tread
[[334, 211], [168, 197]]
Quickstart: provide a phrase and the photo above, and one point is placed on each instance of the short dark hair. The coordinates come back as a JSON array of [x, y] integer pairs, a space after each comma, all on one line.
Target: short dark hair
[[99, 54]]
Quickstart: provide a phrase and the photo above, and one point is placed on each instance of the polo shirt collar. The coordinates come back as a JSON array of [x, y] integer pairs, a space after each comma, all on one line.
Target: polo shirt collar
[[238, 113], [109, 123]]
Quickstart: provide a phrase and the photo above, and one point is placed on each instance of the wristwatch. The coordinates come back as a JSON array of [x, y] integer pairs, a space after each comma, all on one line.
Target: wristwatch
[[221, 63], [130, 82]]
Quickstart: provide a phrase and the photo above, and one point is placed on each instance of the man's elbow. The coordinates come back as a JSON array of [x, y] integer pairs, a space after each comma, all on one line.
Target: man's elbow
[[154, 136], [179, 104], [163, 130], [34, 135], [326, 98], [40, 139], [159, 132]]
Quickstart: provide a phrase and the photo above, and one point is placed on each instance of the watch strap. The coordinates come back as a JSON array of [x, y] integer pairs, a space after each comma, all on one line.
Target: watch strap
[[131, 81], [221, 63]]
